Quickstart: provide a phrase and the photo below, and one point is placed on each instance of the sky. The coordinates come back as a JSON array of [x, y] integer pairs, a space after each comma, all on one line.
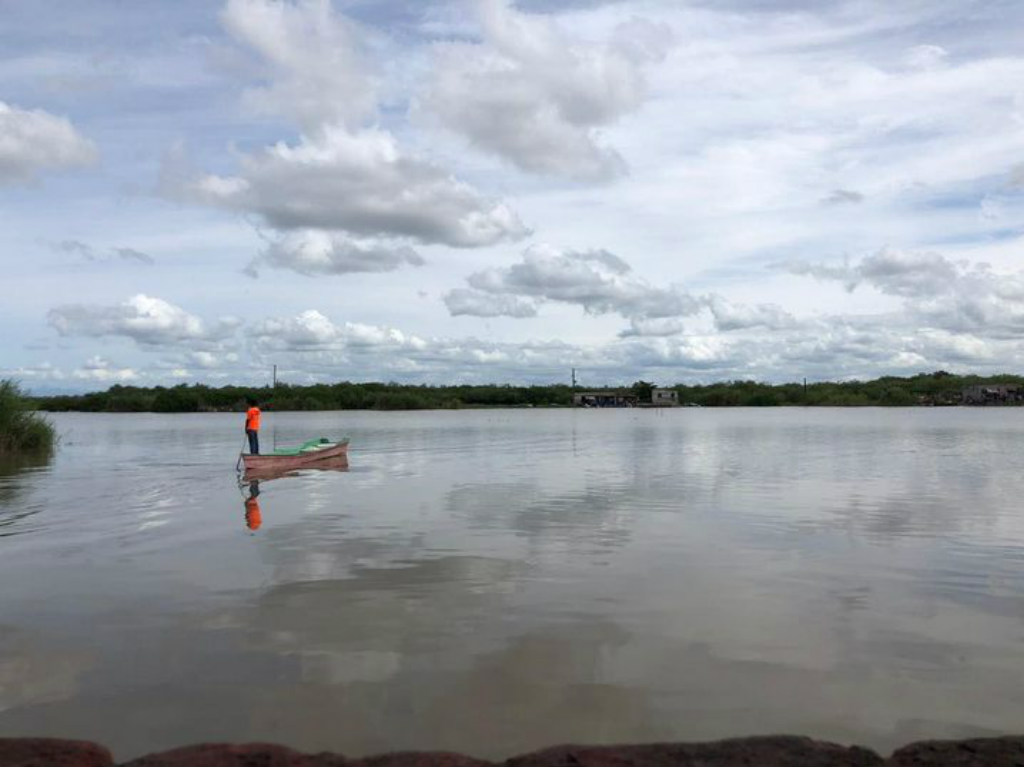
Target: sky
[[475, 191]]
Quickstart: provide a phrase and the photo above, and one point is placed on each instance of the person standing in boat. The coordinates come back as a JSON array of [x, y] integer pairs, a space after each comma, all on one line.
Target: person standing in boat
[[252, 427]]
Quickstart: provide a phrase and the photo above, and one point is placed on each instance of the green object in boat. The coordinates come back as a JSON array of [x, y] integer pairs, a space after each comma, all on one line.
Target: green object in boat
[[311, 446]]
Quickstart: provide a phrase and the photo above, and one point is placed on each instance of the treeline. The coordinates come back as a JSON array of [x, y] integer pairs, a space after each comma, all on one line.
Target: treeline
[[339, 396], [939, 388]]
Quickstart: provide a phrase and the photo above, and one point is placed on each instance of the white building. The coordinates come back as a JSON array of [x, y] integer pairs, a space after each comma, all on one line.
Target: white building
[[664, 397]]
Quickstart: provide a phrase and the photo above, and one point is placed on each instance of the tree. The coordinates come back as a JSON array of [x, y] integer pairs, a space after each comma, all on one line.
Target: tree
[[643, 390]]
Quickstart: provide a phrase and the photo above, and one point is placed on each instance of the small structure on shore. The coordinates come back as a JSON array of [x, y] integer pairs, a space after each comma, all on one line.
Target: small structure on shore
[[604, 399], [993, 394], [664, 398]]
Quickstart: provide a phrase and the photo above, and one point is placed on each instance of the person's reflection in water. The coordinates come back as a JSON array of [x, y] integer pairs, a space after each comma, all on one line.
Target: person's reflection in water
[[253, 518]]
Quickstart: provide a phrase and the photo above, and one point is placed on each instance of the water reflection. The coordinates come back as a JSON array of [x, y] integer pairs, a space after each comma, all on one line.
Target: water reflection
[[492, 581], [34, 672], [249, 485], [253, 515], [15, 475], [339, 463]]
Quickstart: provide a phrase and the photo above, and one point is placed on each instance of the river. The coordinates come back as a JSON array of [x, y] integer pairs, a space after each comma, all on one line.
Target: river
[[493, 581]]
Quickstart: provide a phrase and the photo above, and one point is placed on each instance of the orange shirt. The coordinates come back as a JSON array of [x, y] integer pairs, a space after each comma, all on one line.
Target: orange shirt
[[252, 419]]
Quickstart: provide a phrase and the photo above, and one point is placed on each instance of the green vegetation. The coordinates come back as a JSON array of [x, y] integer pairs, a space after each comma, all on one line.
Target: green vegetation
[[22, 430], [338, 396], [642, 390], [939, 388]]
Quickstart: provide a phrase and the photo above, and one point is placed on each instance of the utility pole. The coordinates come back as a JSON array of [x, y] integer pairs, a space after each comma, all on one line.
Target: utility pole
[[805, 391], [574, 387], [275, 420]]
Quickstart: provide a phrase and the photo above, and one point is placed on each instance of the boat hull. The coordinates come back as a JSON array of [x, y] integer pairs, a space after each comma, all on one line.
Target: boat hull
[[338, 463], [276, 463]]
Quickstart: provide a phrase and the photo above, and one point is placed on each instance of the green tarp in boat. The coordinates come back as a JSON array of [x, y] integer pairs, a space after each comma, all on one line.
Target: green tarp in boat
[[307, 447]]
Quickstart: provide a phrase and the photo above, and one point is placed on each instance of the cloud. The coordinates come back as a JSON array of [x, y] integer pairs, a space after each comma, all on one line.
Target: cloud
[[598, 281], [313, 252], [532, 95], [86, 251], [730, 316], [101, 370], [75, 247], [313, 331], [209, 360], [926, 56], [148, 321], [32, 141], [344, 175], [322, 347], [641, 328], [936, 292], [42, 371], [473, 303], [362, 184], [313, 62], [131, 254], [895, 272], [843, 196], [909, 274]]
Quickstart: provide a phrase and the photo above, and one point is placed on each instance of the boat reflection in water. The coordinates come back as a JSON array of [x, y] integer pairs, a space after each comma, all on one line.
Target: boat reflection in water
[[249, 484]]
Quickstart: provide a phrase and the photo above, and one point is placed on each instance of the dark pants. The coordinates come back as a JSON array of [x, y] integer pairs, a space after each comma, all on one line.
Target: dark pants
[[254, 441]]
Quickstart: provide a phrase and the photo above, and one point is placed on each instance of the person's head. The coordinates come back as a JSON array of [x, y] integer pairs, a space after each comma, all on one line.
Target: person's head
[[251, 401]]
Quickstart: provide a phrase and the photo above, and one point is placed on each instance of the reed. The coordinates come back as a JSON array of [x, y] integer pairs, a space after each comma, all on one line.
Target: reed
[[22, 429]]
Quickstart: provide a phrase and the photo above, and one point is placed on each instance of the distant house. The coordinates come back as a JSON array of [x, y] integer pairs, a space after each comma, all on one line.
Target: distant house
[[992, 394], [664, 398], [604, 399]]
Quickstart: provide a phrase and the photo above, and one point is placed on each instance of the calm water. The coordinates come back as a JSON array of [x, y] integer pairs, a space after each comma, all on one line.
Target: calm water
[[494, 581]]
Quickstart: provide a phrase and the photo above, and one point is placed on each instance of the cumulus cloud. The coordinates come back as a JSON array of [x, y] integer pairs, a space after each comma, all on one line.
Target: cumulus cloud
[[148, 321], [730, 316], [32, 141], [641, 328], [43, 371], [474, 303], [343, 175], [911, 274], [895, 272], [598, 281], [315, 69], [323, 347], [360, 183], [312, 330], [936, 292], [102, 370], [313, 252], [531, 94]]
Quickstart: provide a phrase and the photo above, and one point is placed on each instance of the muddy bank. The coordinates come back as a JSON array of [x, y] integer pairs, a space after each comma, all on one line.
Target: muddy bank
[[767, 751]]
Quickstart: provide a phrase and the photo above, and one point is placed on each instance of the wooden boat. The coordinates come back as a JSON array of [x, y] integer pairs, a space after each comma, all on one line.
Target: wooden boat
[[309, 454], [338, 463]]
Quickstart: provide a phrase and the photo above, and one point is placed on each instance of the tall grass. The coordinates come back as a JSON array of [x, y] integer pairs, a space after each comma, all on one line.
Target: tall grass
[[22, 430]]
